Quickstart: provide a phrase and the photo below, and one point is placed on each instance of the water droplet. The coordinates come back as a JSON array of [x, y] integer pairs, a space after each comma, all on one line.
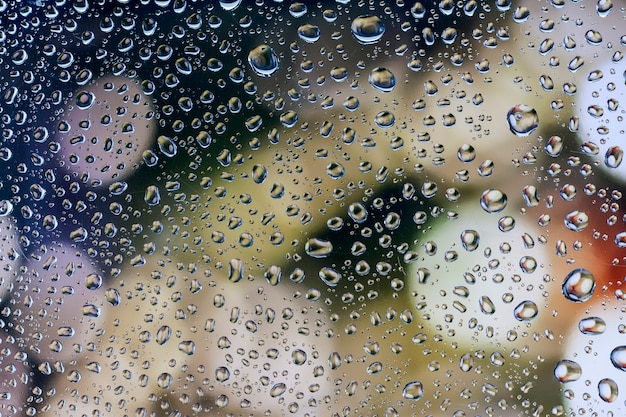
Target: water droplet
[[613, 157], [278, 389], [259, 173], [493, 200], [531, 195], [188, 347], [466, 153], [93, 281], [429, 189], [318, 248], [528, 264], [384, 119], [526, 311], [222, 374], [230, 5], [263, 60], [608, 390], [522, 119], [603, 7], [330, 276], [382, 79], [470, 240], [164, 380], [85, 100], [576, 220], [579, 285], [592, 325], [413, 391], [357, 212], [236, 270], [486, 305], [466, 363], [335, 170], [367, 29], [167, 146], [620, 240], [163, 335], [298, 356], [618, 358], [567, 371], [309, 33], [152, 195]]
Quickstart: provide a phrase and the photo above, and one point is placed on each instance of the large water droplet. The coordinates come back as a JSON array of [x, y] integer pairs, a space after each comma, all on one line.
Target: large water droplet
[[592, 325], [470, 240], [493, 200], [567, 371], [579, 285], [522, 119], [608, 390], [618, 358], [526, 311], [309, 33], [367, 29], [382, 79], [413, 391], [576, 220], [263, 60], [318, 248], [330, 276], [613, 157]]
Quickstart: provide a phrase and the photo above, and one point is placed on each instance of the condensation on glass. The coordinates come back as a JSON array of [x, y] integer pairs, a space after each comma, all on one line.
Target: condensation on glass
[[333, 208]]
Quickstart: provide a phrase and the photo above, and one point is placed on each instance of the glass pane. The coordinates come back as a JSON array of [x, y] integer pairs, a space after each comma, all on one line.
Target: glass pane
[[337, 208]]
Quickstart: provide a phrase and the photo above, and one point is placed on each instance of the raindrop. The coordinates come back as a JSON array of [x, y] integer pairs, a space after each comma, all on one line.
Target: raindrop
[[298, 356], [466, 153], [278, 389], [567, 371], [367, 29], [429, 189], [230, 5], [579, 285], [164, 380], [263, 60], [152, 195], [486, 305], [335, 170], [522, 119], [466, 363], [167, 146], [493, 200], [357, 212], [85, 100]]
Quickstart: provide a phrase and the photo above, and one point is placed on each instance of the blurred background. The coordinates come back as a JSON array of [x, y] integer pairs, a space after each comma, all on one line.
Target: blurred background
[[314, 209]]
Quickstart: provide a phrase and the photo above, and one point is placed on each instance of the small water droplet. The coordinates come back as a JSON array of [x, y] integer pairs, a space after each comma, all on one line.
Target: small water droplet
[[93, 281], [522, 119], [367, 29], [486, 305], [567, 371], [466, 153], [309, 33], [263, 60], [579, 285], [466, 363], [357, 212], [413, 391], [85, 100], [222, 374], [164, 380], [493, 200], [470, 240], [335, 170], [298, 356]]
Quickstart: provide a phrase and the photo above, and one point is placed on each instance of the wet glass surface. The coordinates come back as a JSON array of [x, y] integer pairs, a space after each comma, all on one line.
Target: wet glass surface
[[337, 208]]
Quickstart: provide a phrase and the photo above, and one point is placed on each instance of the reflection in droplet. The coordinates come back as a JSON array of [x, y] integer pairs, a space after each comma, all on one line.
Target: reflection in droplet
[[579, 285], [470, 240], [367, 29], [522, 119], [613, 157], [567, 371], [330, 276]]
